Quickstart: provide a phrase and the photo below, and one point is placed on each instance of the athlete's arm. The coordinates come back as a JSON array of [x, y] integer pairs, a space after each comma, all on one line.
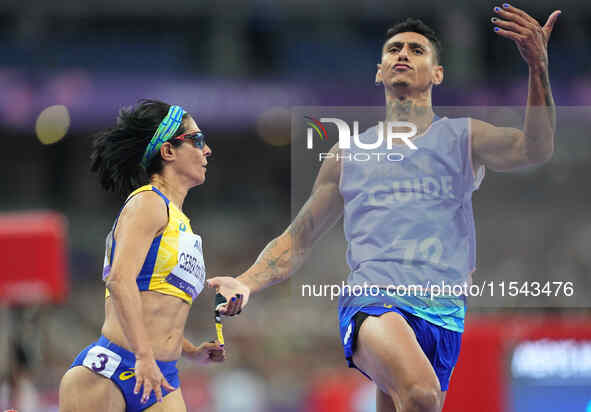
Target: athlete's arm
[[144, 216], [285, 254], [504, 148]]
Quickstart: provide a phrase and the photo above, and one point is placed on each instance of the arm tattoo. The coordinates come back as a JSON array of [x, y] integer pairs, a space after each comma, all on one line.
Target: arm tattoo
[[546, 88], [548, 99], [302, 227], [272, 261], [278, 260]]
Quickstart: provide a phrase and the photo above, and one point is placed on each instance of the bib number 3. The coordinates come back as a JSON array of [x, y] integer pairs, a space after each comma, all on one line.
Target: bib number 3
[[102, 361]]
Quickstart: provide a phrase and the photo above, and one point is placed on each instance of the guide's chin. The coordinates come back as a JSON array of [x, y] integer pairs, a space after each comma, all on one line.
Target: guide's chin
[[399, 83]]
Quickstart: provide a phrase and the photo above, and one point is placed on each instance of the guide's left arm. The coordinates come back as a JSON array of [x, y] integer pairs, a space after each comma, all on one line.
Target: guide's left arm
[[506, 148]]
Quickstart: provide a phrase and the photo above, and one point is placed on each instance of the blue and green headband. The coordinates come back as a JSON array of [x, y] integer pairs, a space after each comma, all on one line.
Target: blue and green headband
[[168, 127]]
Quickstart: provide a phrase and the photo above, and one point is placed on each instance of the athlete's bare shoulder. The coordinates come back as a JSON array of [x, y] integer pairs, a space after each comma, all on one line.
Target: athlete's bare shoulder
[[145, 211]]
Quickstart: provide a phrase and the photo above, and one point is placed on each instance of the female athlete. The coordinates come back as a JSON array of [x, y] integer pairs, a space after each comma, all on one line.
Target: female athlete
[[153, 265]]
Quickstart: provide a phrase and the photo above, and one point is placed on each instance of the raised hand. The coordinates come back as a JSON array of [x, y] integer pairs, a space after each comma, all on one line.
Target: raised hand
[[531, 38]]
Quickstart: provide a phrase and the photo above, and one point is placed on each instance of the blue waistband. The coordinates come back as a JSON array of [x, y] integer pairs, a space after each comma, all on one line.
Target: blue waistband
[[129, 356]]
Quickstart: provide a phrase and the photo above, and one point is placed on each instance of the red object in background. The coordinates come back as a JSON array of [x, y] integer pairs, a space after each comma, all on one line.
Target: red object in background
[[333, 390], [197, 391], [481, 378], [33, 260]]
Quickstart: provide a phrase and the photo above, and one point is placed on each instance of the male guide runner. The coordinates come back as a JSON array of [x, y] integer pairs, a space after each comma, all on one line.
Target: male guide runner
[[407, 346]]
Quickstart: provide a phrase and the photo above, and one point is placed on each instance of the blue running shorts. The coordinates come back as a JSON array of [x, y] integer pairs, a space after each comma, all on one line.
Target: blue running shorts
[[117, 364], [440, 345]]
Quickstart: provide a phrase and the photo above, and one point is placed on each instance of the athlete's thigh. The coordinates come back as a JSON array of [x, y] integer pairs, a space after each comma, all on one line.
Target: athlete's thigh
[[388, 351], [81, 390], [442, 399], [173, 402]]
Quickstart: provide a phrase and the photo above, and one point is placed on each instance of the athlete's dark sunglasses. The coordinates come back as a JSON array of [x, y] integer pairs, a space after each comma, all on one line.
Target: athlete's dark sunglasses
[[198, 139]]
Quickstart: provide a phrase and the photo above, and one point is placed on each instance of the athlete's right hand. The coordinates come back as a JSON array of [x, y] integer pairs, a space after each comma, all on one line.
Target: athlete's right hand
[[235, 292], [148, 374]]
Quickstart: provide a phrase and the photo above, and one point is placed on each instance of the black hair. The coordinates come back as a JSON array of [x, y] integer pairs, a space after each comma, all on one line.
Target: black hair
[[417, 26], [117, 153]]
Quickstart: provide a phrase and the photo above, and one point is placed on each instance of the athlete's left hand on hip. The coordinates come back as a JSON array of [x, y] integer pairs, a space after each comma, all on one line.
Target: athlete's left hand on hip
[[531, 38]]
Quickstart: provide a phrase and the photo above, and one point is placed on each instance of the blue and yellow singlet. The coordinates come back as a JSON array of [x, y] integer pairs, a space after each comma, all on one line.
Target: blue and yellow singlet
[[174, 264]]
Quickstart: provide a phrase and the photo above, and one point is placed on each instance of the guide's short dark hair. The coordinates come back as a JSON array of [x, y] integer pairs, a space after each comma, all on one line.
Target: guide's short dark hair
[[417, 26]]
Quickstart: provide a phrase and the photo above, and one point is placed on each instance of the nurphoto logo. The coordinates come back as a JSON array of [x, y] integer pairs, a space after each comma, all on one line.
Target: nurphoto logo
[[403, 131]]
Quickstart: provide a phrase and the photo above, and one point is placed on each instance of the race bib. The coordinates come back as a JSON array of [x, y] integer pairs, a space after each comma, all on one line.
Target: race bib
[[189, 274], [102, 361]]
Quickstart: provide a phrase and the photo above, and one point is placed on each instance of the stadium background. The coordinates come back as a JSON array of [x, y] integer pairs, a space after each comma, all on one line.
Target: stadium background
[[240, 67]]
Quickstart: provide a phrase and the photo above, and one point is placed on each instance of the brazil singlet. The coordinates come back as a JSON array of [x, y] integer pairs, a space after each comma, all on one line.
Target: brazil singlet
[[174, 264]]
